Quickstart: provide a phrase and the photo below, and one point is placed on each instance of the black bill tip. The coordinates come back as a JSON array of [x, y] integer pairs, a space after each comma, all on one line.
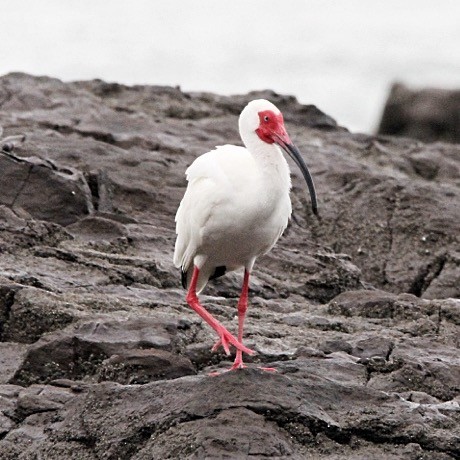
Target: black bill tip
[[294, 153]]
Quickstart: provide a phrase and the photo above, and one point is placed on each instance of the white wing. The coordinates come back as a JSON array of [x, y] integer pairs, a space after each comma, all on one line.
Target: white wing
[[209, 177]]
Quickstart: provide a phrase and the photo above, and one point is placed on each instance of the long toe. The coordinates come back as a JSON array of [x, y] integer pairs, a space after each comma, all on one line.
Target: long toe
[[244, 349], [226, 339], [238, 345], [222, 342], [216, 346]]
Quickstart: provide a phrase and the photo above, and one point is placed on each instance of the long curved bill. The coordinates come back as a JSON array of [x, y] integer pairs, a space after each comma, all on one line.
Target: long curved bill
[[294, 153]]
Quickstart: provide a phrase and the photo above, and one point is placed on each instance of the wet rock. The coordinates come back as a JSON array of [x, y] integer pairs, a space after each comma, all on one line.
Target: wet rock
[[81, 350], [419, 397], [11, 357], [376, 304], [201, 355], [394, 226], [143, 366], [6, 424], [379, 304], [320, 276], [309, 352], [450, 310], [357, 311], [36, 311], [224, 435], [7, 293], [427, 114], [369, 180], [331, 346], [19, 230], [25, 181], [170, 417], [8, 400], [441, 285], [435, 370], [40, 398], [97, 228], [372, 347]]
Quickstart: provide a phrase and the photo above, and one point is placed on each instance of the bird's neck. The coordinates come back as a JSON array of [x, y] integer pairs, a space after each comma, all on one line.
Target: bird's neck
[[271, 163]]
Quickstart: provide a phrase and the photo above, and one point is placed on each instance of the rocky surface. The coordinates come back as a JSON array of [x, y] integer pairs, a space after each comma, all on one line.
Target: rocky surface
[[428, 114], [100, 357]]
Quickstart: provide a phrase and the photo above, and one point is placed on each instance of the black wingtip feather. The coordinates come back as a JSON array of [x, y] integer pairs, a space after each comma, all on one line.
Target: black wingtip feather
[[218, 271], [183, 278]]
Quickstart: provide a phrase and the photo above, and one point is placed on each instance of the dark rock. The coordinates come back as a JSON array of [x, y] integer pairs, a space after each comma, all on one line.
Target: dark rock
[[339, 367], [357, 312], [424, 366], [379, 304], [382, 220], [201, 356], [11, 358], [369, 181], [331, 346], [224, 436], [36, 311], [143, 366], [243, 413], [95, 228], [372, 347], [81, 350], [426, 114], [309, 352], [419, 397], [449, 310], [19, 230], [25, 181], [320, 276], [7, 293], [41, 398], [8, 401], [294, 320], [443, 286]]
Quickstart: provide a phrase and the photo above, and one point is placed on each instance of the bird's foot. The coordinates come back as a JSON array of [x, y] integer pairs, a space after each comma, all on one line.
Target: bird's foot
[[227, 339], [238, 364]]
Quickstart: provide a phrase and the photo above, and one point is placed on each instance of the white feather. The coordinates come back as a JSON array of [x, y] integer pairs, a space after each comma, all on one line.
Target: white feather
[[235, 207]]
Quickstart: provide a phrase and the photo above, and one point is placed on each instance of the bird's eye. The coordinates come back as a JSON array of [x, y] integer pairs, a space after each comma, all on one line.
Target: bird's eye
[[266, 118]]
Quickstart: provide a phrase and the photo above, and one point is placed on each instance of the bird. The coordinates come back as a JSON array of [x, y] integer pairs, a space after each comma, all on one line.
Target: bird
[[235, 208]]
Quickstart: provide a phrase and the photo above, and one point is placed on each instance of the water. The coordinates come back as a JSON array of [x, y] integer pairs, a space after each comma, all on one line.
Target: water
[[340, 55]]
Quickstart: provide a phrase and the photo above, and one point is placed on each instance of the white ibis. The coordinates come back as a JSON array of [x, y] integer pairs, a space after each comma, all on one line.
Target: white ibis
[[235, 208]]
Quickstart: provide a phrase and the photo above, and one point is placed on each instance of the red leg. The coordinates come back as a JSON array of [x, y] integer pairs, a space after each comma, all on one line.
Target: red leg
[[242, 307], [225, 337]]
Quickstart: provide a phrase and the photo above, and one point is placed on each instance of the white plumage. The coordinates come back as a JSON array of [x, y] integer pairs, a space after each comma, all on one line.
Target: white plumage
[[237, 203], [232, 211]]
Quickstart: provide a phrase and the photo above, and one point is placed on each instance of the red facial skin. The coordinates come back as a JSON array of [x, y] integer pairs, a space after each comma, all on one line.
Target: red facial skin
[[271, 128]]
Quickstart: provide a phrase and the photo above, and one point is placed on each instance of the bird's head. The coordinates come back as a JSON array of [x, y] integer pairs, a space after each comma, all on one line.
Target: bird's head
[[261, 121], [260, 117]]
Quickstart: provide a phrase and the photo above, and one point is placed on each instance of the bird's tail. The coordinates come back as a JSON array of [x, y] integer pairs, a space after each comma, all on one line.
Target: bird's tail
[[186, 276], [203, 278]]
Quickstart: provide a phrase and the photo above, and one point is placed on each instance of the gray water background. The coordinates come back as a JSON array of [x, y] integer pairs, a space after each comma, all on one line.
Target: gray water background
[[341, 55]]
